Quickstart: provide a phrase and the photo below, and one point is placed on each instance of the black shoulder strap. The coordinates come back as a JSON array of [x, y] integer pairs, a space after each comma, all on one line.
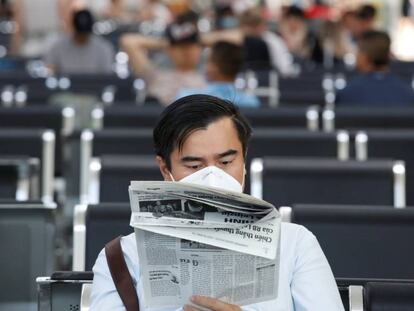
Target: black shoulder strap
[[120, 275]]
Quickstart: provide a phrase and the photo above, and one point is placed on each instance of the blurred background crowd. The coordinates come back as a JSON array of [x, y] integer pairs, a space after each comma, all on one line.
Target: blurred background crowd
[[306, 26], [200, 45]]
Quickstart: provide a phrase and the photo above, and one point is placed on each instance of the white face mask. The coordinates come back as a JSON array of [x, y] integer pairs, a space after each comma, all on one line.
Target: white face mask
[[212, 176]]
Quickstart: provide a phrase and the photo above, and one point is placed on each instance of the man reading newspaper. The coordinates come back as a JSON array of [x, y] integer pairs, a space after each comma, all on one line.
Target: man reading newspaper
[[202, 140], [206, 240]]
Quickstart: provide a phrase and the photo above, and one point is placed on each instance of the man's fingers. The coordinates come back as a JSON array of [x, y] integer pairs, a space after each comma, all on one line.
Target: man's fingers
[[189, 308], [213, 304]]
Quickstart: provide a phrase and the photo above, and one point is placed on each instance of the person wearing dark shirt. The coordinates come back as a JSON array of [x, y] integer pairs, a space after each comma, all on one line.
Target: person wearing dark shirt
[[301, 41], [375, 85]]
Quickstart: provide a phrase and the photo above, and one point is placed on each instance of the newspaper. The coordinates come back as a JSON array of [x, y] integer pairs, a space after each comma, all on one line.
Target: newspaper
[[195, 240]]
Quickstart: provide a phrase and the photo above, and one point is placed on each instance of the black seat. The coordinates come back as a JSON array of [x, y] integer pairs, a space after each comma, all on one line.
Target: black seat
[[9, 177], [361, 241], [112, 141], [368, 118], [123, 141], [286, 181], [390, 296], [33, 143], [116, 172], [283, 117], [19, 178], [27, 232], [62, 290], [391, 144], [346, 291], [41, 90], [95, 84], [354, 292], [304, 89], [147, 116], [34, 88], [126, 117], [100, 224], [41, 117], [298, 143]]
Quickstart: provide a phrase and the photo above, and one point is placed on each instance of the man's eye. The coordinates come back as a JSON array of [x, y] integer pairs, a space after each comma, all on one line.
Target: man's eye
[[194, 167], [226, 162]]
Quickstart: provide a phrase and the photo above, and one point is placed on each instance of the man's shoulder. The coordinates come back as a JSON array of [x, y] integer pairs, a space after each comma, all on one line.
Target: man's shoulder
[[360, 80], [100, 42], [61, 42], [398, 82], [294, 239], [128, 243], [293, 231], [353, 89]]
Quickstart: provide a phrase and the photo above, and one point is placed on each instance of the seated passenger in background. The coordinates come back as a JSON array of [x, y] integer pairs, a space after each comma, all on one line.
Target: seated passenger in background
[[263, 48], [375, 86], [301, 41], [80, 52], [355, 23], [224, 62], [365, 17], [183, 48], [253, 25]]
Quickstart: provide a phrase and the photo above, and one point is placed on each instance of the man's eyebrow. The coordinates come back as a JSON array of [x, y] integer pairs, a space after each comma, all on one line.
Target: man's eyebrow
[[227, 153], [190, 159]]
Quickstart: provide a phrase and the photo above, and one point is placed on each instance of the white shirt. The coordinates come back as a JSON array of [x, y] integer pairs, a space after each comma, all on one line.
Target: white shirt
[[306, 282], [279, 53]]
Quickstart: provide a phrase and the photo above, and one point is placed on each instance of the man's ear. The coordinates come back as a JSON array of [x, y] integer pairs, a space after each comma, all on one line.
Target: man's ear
[[165, 172]]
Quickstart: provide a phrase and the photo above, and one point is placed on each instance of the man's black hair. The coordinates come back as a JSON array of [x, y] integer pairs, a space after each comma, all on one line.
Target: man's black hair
[[191, 113], [376, 45], [184, 29], [294, 11], [366, 12], [223, 9], [83, 21], [228, 57], [188, 16]]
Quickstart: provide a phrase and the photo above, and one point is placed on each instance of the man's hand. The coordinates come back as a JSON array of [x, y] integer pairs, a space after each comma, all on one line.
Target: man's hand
[[136, 47], [211, 304]]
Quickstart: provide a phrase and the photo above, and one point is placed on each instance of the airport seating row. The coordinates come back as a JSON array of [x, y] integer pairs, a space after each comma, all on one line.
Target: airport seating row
[[32, 85], [71, 291], [360, 242], [307, 153]]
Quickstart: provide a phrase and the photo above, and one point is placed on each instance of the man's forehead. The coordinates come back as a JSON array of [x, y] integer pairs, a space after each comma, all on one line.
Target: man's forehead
[[223, 128], [218, 137]]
